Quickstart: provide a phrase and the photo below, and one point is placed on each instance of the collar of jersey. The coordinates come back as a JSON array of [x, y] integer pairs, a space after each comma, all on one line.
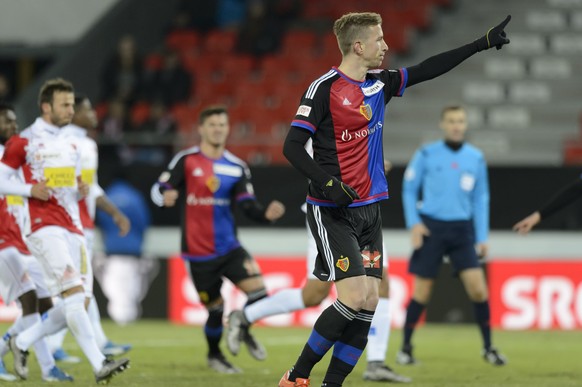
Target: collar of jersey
[[347, 78], [41, 124], [73, 130]]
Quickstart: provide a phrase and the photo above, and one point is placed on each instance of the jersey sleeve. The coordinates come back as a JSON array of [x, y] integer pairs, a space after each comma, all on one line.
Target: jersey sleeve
[[411, 189], [15, 152], [171, 178], [395, 81], [481, 203], [313, 108], [243, 189]]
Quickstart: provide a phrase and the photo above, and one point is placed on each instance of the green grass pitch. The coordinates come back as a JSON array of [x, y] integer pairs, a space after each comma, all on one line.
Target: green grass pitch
[[170, 355]]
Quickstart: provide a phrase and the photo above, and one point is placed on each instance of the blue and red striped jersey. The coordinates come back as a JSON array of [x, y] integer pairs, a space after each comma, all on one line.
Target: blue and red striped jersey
[[346, 118], [208, 189]]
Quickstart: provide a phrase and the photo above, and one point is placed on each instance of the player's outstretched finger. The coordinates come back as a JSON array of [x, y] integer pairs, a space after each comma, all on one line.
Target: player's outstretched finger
[[504, 22]]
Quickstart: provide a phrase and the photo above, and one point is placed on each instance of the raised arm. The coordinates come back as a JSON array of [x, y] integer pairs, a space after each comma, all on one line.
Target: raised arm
[[446, 61]]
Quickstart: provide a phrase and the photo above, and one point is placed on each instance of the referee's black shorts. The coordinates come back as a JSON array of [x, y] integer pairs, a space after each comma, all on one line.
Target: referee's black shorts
[[349, 241], [455, 239]]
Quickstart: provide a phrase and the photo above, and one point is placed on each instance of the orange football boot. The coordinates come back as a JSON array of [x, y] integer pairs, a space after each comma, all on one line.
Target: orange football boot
[[299, 382]]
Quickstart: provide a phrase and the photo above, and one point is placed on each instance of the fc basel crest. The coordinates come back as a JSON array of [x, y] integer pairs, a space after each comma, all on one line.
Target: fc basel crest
[[213, 183], [371, 259], [366, 111], [343, 263]]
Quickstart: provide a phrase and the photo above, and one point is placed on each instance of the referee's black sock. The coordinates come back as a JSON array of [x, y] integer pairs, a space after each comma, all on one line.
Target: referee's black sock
[[213, 329], [413, 313], [348, 349], [327, 330], [482, 316]]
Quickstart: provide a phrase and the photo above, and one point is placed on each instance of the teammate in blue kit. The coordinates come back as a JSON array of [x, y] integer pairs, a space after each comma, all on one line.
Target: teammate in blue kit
[[452, 219]]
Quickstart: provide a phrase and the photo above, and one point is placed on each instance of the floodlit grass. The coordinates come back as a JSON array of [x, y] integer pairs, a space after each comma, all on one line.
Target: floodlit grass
[[170, 355]]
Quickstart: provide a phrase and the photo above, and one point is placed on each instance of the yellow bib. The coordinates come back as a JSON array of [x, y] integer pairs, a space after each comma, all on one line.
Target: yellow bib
[[60, 177], [13, 200], [88, 176]]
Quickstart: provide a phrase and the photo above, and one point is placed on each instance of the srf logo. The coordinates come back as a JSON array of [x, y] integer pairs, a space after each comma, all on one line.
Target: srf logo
[[343, 263], [346, 136], [213, 183], [371, 260], [366, 111]]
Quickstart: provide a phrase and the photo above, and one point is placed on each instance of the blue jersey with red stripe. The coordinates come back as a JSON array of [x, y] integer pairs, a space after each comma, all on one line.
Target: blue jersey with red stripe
[[208, 189], [346, 118]]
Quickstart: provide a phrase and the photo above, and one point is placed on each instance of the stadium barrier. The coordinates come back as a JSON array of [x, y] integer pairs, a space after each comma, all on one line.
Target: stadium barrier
[[524, 294], [535, 282]]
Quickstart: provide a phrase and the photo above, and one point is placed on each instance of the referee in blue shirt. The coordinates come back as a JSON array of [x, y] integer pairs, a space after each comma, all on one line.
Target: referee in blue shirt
[[446, 206]]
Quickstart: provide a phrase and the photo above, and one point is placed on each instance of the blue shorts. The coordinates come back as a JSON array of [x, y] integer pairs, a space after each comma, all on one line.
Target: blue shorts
[[455, 239]]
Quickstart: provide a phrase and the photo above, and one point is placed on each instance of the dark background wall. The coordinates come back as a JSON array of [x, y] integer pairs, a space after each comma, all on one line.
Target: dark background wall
[[515, 192]]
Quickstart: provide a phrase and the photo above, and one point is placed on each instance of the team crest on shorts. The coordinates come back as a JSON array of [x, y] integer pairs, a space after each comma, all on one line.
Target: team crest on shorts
[[366, 111], [343, 263], [213, 183], [371, 259], [203, 297]]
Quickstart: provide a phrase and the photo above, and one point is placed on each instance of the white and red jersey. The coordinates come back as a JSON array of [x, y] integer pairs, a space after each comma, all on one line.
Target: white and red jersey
[[12, 218], [89, 165], [44, 155]]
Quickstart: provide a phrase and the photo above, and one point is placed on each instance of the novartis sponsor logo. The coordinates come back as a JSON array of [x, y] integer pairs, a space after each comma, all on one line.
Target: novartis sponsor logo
[[363, 133], [192, 200]]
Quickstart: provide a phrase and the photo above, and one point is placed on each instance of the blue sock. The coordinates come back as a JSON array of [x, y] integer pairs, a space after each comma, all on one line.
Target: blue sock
[[327, 330], [348, 349], [213, 329]]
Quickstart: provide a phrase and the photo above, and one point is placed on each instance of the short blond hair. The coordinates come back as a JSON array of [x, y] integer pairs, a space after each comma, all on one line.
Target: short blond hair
[[351, 26], [451, 108]]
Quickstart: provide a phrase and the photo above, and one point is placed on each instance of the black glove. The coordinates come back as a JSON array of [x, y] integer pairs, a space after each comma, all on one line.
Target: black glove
[[495, 37], [341, 194]]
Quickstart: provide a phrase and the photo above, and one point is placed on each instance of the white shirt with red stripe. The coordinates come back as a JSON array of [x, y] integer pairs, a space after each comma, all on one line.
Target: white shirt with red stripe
[[45, 155], [12, 219], [89, 165]]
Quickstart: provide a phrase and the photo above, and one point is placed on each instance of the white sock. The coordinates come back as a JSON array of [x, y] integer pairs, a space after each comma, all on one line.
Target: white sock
[[284, 301], [56, 341], [43, 355], [80, 326], [14, 329], [379, 332], [95, 318], [53, 322]]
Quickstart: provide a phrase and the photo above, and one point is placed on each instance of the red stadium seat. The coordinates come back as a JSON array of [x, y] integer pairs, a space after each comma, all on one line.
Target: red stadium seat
[[140, 113], [186, 116], [398, 40], [416, 15], [299, 40], [183, 40], [101, 110], [238, 66], [275, 152], [250, 153], [153, 62], [219, 41]]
